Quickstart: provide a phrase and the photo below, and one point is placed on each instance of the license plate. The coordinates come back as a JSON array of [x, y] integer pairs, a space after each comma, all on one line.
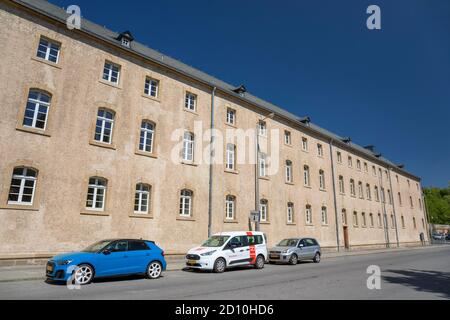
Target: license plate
[[274, 256], [192, 262], [49, 268]]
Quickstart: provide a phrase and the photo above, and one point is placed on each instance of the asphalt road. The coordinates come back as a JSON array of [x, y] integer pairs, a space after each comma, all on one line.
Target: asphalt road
[[413, 274]]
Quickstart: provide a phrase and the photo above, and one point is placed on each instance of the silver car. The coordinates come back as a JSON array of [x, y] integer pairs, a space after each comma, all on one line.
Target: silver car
[[295, 249]]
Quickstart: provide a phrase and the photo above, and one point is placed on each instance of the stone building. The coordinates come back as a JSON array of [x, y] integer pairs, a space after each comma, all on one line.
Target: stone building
[[87, 152]]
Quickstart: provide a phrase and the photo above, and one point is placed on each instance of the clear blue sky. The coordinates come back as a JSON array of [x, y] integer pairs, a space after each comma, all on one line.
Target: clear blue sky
[[389, 88]]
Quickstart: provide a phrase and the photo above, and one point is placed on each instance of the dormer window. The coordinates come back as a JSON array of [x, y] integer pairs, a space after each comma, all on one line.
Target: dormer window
[[125, 39], [125, 42]]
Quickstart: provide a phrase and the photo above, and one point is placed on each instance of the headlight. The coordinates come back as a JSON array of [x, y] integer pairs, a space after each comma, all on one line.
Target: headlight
[[208, 253], [64, 262], [285, 251]]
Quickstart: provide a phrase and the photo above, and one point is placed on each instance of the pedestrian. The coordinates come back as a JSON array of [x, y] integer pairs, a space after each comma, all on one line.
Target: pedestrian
[[422, 238]]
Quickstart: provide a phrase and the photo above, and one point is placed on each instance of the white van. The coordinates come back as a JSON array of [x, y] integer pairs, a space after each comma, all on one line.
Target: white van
[[229, 249]]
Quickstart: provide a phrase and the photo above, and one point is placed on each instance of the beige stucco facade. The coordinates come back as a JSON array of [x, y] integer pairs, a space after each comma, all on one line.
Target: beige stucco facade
[[65, 156]]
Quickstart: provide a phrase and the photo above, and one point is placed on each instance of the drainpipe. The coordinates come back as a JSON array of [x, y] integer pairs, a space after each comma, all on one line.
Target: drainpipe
[[393, 207], [383, 207], [334, 194], [211, 157], [257, 226]]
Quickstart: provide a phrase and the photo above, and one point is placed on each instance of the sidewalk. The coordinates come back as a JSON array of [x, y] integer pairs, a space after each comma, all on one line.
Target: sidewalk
[[30, 272]]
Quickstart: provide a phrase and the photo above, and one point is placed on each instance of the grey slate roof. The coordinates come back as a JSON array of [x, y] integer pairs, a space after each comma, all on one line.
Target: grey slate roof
[[59, 14]]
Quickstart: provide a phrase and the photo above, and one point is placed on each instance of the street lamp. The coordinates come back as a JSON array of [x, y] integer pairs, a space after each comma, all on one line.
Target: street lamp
[[257, 208]]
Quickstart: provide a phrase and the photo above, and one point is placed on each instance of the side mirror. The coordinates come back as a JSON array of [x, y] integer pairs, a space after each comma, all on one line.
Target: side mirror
[[106, 252], [301, 246]]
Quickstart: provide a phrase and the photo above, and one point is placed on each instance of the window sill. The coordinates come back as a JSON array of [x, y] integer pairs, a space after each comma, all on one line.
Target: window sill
[[110, 84], [325, 225], [309, 224], [288, 145], [194, 112], [18, 207], [265, 222], [185, 218], [49, 63], [230, 221], [231, 125], [141, 216], [102, 145], [305, 151], [308, 187], [146, 154], [323, 190], [40, 132], [94, 213], [291, 224], [289, 183], [151, 98], [191, 164], [231, 171], [264, 178]]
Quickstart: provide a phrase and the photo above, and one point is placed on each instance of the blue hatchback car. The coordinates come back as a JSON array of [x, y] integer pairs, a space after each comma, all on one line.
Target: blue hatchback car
[[107, 258]]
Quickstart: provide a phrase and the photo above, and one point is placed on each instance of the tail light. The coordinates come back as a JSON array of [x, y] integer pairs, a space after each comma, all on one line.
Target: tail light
[[163, 254]]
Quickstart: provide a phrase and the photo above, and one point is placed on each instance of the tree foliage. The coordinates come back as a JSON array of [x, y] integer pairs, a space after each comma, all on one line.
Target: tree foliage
[[438, 204]]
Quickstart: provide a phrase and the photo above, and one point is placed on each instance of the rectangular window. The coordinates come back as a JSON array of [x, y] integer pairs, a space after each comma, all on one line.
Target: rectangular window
[[188, 147], [355, 219], [320, 150], [186, 203], [231, 116], [262, 128], [289, 172], [305, 144], [324, 216], [339, 157], [366, 168], [146, 138], [262, 165], [96, 194], [231, 150], [364, 222], [290, 213], [229, 207], [358, 164], [287, 138], [111, 72], [263, 210], [151, 87], [36, 111], [190, 101], [350, 162], [306, 176], [48, 50], [308, 214]]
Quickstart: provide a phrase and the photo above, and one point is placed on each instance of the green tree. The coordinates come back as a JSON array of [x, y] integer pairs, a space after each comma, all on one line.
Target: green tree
[[438, 204]]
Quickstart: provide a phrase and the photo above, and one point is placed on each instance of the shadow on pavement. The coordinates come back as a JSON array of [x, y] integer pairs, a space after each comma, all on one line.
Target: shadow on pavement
[[106, 280], [422, 280]]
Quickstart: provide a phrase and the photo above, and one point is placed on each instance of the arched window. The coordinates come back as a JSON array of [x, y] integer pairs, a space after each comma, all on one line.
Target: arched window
[[264, 210], [289, 178], [352, 187], [364, 221], [360, 190], [142, 198], [392, 221], [308, 214], [230, 204], [188, 147], [355, 218], [186, 197], [324, 215], [403, 222], [321, 180], [231, 157], [36, 111], [368, 193], [380, 221], [399, 198], [377, 195], [262, 164], [96, 194], [290, 212], [344, 217], [341, 185], [147, 136], [414, 223], [306, 179], [104, 126], [372, 222], [23, 185]]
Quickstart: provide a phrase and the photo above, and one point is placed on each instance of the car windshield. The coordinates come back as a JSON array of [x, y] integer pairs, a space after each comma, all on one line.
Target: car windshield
[[96, 247], [288, 243], [215, 241]]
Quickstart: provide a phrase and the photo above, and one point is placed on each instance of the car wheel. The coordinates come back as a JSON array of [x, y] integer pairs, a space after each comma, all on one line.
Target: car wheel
[[84, 274], [220, 265], [293, 260], [317, 258], [154, 270], [260, 261]]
